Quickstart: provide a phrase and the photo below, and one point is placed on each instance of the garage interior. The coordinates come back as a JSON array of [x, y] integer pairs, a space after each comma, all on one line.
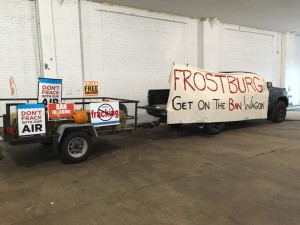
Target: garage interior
[[245, 175]]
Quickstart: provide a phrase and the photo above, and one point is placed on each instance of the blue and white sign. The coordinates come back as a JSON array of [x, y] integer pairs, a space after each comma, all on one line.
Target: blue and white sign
[[50, 90], [31, 119], [105, 113]]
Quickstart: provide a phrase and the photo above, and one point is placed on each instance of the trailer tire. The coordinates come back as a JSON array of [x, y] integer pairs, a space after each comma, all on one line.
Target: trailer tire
[[279, 112], [214, 128], [75, 147]]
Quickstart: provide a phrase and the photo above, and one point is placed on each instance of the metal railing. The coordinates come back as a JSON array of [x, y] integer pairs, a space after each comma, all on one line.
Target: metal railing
[[83, 101]]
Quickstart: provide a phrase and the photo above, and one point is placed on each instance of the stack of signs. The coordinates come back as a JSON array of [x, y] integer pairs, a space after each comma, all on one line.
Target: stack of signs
[[49, 90], [60, 111], [105, 113], [31, 119]]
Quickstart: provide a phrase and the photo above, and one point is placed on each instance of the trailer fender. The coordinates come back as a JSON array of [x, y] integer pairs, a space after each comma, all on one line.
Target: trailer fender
[[70, 127]]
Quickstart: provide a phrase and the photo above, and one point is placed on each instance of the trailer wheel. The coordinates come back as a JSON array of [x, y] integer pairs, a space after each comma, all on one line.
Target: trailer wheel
[[279, 112], [75, 147], [213, 128]]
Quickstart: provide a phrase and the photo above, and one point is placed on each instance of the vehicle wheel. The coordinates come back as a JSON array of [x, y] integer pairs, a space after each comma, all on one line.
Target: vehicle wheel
[[213, 128], [279, 112], [75, 147]]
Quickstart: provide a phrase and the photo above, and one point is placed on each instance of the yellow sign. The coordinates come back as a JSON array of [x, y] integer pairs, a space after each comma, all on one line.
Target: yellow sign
[[90, 88]]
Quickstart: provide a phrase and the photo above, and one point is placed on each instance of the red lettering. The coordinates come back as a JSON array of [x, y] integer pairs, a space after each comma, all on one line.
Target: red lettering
[[105, 113], [207, 78], [231, 83], [176, 78], [234, 105], [116, 113], [29, 113], [221, 77], [257, 86], [238, 82], [185, 79], [199, 81], [94, 114], [231, 105], [50, 87], [195, 83], [249, 82]]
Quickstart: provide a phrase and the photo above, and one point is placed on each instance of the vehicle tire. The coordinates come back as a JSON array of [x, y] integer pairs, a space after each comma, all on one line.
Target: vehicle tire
[[75, 147], [213, 128], [279, 112]]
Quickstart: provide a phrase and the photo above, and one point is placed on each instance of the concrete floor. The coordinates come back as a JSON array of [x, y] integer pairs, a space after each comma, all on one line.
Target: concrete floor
[[249, 174]]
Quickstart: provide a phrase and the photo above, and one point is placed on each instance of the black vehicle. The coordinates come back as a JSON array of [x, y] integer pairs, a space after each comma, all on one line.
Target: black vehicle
[[158, 98]]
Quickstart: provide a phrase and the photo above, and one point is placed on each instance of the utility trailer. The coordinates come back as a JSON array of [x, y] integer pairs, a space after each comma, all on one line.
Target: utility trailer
[[72, 141]]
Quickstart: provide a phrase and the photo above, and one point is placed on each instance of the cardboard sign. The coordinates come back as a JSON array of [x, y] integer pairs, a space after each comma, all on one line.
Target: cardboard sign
[[50, 90], [60, 110], [198, 96], [31, 119], [91, 88], [105, 113]]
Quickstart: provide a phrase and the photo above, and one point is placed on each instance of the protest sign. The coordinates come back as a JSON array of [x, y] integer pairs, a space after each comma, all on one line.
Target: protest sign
[[198, 96], [90, 88], [50, 90], [105, 113], [60, 110], [31, 119]]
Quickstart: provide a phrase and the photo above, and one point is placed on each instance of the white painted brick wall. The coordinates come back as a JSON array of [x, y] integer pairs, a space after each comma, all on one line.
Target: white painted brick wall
[[210, 44], [291, 69], [227, 47], [297, 71], [248, 49], [130, 51], [67, 46], [18, 49]]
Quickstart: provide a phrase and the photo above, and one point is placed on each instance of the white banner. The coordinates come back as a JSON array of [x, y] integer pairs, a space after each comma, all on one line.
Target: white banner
[[201, 96], [31, 119], [105, 113]]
